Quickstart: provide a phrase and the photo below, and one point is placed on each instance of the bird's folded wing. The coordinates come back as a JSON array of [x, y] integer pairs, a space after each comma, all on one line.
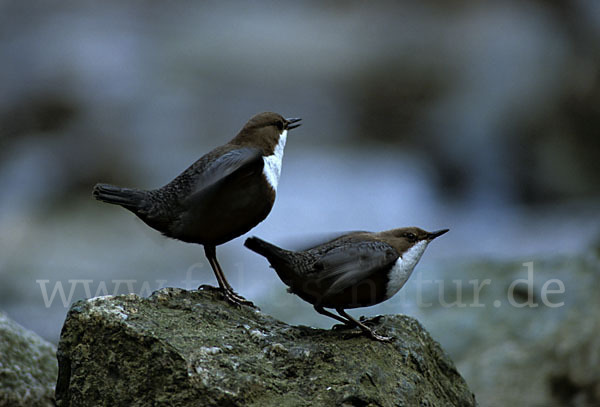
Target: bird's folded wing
[[314, 240], [349, 264], [230, 167]]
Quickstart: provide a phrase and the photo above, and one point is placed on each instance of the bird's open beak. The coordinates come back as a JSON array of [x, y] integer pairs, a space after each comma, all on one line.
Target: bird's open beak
[[290, 123], [433, 235]]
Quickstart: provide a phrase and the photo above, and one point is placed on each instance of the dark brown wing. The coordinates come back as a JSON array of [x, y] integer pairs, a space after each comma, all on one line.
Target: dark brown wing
[[222, 201], [351, 263], [229, 167], [314, 241]]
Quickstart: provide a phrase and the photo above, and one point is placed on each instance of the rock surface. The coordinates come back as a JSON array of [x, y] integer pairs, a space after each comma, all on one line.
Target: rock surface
[[28, 368], [188, 348]]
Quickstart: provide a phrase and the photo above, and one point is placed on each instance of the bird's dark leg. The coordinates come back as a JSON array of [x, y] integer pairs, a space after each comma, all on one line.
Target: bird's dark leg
[[323, 311], [230, 295], [237, 298], [370, 332], [211, 255]]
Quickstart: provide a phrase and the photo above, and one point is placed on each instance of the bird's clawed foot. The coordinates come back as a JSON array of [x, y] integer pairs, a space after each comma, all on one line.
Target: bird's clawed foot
[[229, 295], [370, 321], [371, 334], [234, 298], [365, 331]]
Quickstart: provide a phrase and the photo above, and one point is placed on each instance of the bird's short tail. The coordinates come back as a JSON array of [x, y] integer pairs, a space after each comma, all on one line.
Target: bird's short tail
[[281, 260], [266, 249], [131, 199]]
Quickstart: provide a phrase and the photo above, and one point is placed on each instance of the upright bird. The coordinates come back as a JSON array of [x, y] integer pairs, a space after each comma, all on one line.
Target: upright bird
[[221, 196], [358, 269]]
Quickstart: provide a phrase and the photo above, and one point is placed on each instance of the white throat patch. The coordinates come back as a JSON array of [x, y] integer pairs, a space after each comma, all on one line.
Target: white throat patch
[[404, 267], [272, 168]]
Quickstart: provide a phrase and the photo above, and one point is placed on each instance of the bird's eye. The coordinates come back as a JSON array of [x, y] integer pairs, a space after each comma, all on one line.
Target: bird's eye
[[279, 125], [411, 236]]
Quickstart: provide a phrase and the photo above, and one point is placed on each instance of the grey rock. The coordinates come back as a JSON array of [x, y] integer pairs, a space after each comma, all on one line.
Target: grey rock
[[28, 367], [188, 348]]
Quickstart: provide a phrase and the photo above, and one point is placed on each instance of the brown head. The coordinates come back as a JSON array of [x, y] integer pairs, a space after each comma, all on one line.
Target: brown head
[[403, 239], [265, 130]]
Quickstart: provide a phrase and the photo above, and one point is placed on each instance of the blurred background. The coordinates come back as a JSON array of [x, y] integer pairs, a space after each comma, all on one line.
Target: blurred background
[[479, 117]]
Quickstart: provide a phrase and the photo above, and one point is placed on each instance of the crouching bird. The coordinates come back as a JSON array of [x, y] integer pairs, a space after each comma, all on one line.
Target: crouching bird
[[221, 196], [355, 270]]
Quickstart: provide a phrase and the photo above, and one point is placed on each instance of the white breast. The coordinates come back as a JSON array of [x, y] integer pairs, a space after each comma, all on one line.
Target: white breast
[[272, 168], [403, 268]]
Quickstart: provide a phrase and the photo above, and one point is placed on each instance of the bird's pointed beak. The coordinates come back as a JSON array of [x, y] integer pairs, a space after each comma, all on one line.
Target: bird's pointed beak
[[290, 123], [433, 235]]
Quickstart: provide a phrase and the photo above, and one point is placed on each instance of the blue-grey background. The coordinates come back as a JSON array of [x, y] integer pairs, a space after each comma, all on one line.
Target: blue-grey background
[[481, 118]]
